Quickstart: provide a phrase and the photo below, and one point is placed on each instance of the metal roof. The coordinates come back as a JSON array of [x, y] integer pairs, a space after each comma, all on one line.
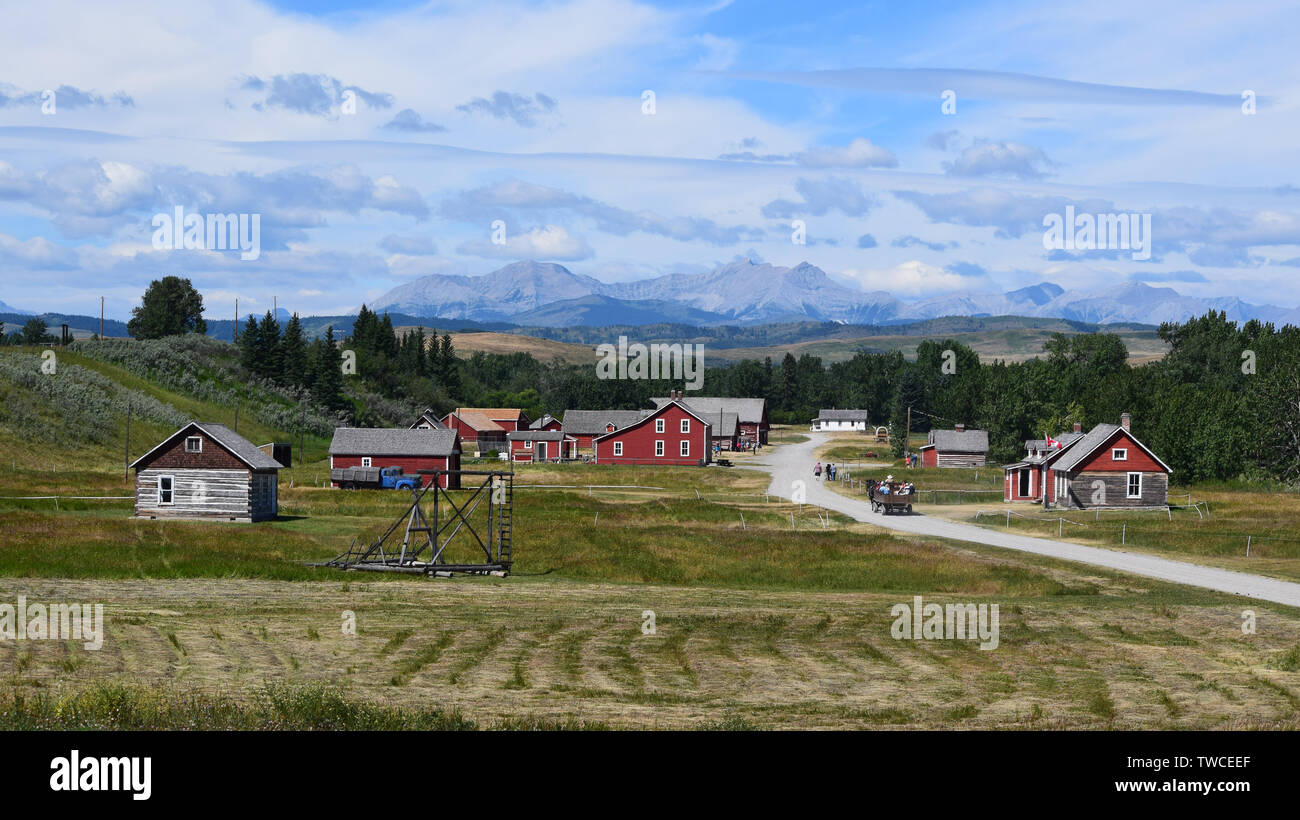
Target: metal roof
[[593, 422], [748, 411], [238, 446], [1094, 439], [542, 422], [842, 415], [391, 441], [961, 441]]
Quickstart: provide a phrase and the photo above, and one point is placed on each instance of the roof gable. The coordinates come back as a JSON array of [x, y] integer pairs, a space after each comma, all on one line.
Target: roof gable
[[1097, 438], [748, 411], [593, 422], [961, 441], [230, 441], [656, 414]]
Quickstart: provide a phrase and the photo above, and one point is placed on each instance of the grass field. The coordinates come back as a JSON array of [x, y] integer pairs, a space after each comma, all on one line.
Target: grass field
[[758, 625]]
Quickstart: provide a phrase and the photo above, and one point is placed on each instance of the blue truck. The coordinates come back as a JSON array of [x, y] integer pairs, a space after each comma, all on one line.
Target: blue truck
[[374, 478]]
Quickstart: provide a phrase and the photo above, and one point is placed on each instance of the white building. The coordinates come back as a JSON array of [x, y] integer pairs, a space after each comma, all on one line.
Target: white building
[[830, 420]]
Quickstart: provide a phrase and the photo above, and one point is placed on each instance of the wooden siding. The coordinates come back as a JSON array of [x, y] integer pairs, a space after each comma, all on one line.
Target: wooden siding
[[205, 493], [639, 441], [1102, 461], [1155, 490]]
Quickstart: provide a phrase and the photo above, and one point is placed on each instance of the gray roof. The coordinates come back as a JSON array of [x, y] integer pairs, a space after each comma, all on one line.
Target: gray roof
[[842, 415], [240, 447], [430, 418], [724, 425], [389, 441], [748, 411], [960, 441], [542, 422], [536, 435], [1096, 437], [592, 422]]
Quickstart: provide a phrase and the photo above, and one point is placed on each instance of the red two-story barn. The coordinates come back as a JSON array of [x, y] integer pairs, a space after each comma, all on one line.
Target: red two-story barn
[[673, 434], [585, 425], [412, 450]]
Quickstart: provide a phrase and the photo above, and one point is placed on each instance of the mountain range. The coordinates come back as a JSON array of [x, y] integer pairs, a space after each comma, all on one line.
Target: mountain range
[[543, 294]]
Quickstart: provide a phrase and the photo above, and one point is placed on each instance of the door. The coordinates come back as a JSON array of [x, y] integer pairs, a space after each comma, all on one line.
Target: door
[[541, 451], [1024, 483]]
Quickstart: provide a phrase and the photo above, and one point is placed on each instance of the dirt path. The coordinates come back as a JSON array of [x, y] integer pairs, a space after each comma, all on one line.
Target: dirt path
[[793, 462]]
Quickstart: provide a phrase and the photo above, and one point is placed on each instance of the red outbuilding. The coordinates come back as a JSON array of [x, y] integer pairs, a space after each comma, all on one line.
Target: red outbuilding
[[541, 445], [412, 450], [673, 434]]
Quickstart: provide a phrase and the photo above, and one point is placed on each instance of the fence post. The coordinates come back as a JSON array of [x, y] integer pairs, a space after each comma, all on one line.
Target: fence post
[[791, 520], [1123, 534], [1247, 546], [742, 521], [1008, 519], [1060, 524]]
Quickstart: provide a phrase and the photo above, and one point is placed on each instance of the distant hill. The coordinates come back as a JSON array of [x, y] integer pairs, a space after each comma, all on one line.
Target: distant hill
[[82, 326]]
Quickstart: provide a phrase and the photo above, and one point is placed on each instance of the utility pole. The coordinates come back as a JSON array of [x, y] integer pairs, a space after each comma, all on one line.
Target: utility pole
[[101, 318], [126, 469], [907, 438], [234, 337]]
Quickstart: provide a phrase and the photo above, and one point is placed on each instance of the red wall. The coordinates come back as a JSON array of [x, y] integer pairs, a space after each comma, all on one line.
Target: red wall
[[930, 457], [409, 464], [639, 441], [1101, 462]]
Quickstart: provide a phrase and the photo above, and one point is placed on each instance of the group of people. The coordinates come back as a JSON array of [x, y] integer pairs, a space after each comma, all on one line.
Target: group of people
[[830, 471], [890, 487]]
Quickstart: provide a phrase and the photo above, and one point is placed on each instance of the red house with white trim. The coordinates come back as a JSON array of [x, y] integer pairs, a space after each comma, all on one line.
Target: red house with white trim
[[585, 425], [1106, 468], [673, 434]]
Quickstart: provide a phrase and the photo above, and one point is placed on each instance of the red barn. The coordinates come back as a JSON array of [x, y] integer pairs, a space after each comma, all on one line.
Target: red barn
[[541, 445], [412, 450], [586, 425], [673, 434], [478, 433], [958, 447]]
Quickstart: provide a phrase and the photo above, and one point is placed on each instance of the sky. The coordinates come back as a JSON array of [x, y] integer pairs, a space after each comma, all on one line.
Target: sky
[[915, 148]]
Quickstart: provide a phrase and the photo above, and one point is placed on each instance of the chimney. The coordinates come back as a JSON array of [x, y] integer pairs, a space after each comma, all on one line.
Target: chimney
[[1078, 427], [1124, 419]]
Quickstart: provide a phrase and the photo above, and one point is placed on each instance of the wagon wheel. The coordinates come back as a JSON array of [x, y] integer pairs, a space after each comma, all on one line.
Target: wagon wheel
[[909, 509]]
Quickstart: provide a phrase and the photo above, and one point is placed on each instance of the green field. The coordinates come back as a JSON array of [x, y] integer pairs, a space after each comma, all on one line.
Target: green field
[[767, 614]]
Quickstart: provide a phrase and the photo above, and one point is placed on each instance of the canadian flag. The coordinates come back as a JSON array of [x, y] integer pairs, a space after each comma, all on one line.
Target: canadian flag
[[1051, 442]]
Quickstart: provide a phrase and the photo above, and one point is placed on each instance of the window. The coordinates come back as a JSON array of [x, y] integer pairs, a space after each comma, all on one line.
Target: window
[[193, 444], [1134, 485], [365, 461], [659, 425], [686, 425], [528, 445], [166, 490], [659, 448], [618, 448], [686, 448], [1119, 454]]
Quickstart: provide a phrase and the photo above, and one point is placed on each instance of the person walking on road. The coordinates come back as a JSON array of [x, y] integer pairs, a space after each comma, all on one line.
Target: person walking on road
[[817, 470]]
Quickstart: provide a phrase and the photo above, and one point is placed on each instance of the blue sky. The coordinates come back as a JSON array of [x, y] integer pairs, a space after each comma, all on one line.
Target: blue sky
[[532, 114]]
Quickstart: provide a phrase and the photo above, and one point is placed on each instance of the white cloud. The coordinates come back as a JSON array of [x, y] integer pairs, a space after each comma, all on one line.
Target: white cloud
[[551, 243]]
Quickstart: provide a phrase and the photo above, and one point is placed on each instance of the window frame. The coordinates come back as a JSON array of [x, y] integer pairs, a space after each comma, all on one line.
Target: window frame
[[618, 448], [199, 440], [1115, 454], [659, 426], [171, 491], [659, 448], [1128, 485], [686, 448], [367, 462], [686, 425]]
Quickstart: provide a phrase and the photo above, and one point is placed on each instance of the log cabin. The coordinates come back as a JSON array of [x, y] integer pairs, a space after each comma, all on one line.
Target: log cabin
[[958, 447], [207, 471]]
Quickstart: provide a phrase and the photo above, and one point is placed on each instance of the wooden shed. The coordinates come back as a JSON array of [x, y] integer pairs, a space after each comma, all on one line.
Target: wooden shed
[[207, 471]]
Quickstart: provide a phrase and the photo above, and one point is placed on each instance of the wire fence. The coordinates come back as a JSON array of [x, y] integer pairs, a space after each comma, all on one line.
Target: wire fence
[[1126, 534]]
